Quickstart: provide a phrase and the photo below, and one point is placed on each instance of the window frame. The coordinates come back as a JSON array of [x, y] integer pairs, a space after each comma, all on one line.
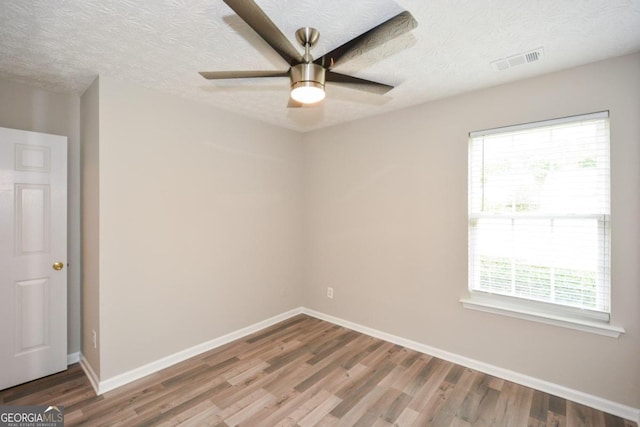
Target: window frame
[[526, 308]]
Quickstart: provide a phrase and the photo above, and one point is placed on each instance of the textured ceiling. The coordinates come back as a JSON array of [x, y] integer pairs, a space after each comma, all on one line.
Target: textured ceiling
[[61, 45]]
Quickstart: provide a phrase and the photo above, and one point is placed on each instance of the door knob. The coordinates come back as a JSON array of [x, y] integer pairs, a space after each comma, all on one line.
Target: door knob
[[58, 265]]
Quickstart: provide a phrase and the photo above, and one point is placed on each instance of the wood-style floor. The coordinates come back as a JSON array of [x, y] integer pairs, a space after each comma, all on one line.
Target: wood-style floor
[[305, 372]]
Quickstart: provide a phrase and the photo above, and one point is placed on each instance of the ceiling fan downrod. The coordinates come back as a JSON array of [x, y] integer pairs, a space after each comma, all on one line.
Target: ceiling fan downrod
[[307, 37], [307, 76]]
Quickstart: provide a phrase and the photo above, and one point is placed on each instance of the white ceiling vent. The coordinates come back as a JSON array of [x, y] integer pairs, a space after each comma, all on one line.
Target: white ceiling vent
[[521, 58]]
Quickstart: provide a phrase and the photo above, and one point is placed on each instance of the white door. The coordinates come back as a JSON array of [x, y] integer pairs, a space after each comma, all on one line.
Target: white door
[[33, 255]]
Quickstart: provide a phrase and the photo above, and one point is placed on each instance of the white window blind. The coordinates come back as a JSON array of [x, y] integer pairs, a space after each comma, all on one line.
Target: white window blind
[[539, 210]]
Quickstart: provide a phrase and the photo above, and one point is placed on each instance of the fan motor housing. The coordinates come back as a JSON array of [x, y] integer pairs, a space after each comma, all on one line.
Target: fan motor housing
[[307, 74]]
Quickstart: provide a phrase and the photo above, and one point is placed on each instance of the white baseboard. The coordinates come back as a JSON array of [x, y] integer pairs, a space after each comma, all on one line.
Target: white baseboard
[[599, 403], [90, 373], [73, 358], [596, 402], [137, 373]]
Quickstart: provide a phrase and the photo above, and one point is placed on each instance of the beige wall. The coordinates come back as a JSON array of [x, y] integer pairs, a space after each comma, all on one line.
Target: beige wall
[[200, 224], [90, 134], [27, 108], [386, 227]]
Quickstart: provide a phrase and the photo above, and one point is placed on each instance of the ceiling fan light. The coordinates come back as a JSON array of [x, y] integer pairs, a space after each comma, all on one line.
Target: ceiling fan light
[[307, 83], [307, 92]]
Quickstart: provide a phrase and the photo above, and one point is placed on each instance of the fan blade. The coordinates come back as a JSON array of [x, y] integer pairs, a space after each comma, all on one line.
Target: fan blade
[[218, 75], [392, 28], [250, 13], [357, 83]]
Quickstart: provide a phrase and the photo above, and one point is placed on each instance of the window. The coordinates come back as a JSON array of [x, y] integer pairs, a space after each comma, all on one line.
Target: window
[[539, 216]]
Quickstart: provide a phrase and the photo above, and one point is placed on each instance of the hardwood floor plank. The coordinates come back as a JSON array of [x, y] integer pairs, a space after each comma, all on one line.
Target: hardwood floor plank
[[388, 407], [613, 421], [534, 422], [539, 406], [447, 412], [555, 420], [397, 407], [382, 423], [284, 380], [434, 372], [407, 417], [250, 410], [234, 392], [581, 416], [273, 411], [160, 401], [320, 411], [248, 374], [129, 398], [358, 409], [469, 406], [379, 354], [194, 411], [520, 407], [458, 422], [239, 405], [273, 331], [308, 405], [430, 409], [421, 377], [430, 388], [496, 383], [557, 405], [368, 419], [307, 372], [281, 409], [507, 396], [194, 372], [323, 372], [325, 367], [407, 374], [358, 357], [352, 395], [176, 404], [410, 359], [331, 347], [201, 418], [485, 412]]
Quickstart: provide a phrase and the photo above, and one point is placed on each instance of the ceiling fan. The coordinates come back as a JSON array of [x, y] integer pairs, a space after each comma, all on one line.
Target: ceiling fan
[[308, 76]]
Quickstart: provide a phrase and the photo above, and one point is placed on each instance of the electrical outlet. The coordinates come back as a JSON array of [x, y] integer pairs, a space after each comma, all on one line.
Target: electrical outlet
[[330, 293], [94, 338]]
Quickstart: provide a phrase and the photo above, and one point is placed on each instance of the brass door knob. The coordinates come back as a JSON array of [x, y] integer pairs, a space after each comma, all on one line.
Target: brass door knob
[[58, 265]]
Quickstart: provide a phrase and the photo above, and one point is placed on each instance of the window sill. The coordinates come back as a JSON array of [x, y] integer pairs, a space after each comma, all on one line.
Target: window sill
[[496, 307]]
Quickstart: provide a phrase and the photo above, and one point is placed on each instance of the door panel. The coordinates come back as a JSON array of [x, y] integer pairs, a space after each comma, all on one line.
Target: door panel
[[32, 304], [32, 158], [33, 230], [32, 219]]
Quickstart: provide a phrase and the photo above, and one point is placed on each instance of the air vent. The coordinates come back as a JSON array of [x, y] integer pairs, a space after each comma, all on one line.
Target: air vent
[[533, 56], [522, 58]]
